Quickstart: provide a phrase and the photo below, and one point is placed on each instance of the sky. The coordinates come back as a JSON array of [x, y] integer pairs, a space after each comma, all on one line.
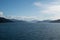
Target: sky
[[30, 9]]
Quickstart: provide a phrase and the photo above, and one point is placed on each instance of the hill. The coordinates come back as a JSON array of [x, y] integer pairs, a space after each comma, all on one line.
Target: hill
[[4, 20]]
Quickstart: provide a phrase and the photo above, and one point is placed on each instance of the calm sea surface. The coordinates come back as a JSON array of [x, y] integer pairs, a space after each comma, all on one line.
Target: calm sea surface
[[29, 31]]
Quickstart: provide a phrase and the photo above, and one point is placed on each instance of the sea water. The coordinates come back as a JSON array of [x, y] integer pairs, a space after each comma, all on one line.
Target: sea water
[[29, 31]]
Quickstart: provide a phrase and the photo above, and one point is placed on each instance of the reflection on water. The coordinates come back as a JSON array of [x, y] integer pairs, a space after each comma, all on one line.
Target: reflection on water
[[29, 31]]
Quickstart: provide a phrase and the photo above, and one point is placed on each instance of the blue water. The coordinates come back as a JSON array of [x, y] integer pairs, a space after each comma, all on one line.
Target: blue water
[[29, 31]]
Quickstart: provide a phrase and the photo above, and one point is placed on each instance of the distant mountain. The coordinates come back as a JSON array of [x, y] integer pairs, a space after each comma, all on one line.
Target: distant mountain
[[46, 20], [4, 20], [55, 21], [15, 20], [49, 21], [33, 21], [37, 21]]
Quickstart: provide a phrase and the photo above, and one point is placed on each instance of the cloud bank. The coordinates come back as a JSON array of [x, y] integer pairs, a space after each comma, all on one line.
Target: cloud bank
[[26, 18]]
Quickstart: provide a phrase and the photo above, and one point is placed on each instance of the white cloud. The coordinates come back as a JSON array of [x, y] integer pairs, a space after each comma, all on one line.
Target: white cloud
[[52, 8], [1, 14], [55, 9], [38, 4]]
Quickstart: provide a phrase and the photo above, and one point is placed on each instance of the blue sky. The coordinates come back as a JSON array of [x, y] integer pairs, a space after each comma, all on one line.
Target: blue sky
[[30, 9]]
